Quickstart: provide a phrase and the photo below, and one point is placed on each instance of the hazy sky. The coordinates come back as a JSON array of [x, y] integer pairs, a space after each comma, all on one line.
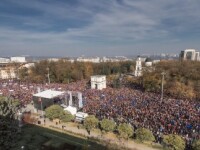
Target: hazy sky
[[98, 27]]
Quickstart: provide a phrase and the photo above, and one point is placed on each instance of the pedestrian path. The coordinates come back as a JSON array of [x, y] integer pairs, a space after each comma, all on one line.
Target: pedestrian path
[[73, 129]]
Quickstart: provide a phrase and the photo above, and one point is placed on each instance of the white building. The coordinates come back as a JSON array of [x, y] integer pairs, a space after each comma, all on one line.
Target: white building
[[148, 62], [190, 54], [8, 74], [92, 59], [18, 59], [4, 60], [138, 67], [4, 74], [98, 82], [13, 74]]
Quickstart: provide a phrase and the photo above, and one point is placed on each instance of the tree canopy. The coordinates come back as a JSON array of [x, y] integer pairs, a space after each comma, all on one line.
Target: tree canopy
[[9, 126], [64, 71], [196, 145], [174, 142], [125, 130], [90, 123], [107, 125], [143, 134], [54, 112]]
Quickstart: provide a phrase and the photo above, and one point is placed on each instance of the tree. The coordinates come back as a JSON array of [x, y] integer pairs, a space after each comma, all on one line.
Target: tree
[[151, 82], [90, 122], [9, 127], [174, 142], [107, 125], [180, 90], [23, 73], [54, 112], [66, 116], [125, 130], [143, 134], [196, 145]]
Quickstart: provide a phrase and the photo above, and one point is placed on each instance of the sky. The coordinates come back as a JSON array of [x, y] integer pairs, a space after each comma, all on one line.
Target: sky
[[98, 27]]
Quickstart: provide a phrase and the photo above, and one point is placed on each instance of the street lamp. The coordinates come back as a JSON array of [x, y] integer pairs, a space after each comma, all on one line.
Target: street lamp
[[48, 75], [163, 77]]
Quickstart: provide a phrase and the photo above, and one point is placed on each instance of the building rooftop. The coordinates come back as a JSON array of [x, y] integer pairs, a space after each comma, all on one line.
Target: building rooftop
[[49, 94]]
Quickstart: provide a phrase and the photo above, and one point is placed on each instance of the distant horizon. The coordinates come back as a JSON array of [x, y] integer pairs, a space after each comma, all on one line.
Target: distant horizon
[[54, 56], [98, 28]]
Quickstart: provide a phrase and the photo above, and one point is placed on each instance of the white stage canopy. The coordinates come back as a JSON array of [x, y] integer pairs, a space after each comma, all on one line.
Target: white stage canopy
[[49, 94], [72, 110]]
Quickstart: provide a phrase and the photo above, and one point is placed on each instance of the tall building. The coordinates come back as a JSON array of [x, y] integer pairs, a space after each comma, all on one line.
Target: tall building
[[190, 54], [138, 67]]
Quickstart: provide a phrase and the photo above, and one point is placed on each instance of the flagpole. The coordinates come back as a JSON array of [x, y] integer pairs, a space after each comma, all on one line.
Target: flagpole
[[41, 108]]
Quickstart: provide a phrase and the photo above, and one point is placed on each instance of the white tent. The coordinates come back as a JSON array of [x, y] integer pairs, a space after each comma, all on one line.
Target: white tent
[[49, 94], [71, 109]]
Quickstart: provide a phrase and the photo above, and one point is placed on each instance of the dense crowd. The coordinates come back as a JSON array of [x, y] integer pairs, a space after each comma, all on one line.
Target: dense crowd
[[125, 104]]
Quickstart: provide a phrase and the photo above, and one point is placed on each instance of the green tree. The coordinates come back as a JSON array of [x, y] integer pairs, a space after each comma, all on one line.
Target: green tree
[[107, 125], [174, 142], [125, 130], [196, 145], [143, 134], [90, 122], [54, 112], [9, 129], [66, 116]]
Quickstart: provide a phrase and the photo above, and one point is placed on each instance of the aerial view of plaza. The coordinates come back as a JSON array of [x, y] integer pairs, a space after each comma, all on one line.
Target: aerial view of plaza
[[99, 75]]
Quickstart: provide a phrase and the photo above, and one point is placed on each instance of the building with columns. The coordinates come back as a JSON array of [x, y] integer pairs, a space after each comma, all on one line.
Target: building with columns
[[98, 82], [190, 54]]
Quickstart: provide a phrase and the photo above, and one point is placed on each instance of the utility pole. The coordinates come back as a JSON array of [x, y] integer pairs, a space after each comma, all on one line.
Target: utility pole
[[48, 75], [163, 77]]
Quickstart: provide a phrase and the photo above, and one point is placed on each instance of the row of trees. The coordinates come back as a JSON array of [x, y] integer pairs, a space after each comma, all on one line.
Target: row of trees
[[64, 71], [124, 130], [182, 79]]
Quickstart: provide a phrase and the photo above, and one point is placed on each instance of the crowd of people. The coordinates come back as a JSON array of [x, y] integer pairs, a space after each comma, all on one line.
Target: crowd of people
[[123, 105]]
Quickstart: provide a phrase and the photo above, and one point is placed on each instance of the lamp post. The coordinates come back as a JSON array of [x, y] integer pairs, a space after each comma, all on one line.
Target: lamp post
[[48, 75], [162, 86]]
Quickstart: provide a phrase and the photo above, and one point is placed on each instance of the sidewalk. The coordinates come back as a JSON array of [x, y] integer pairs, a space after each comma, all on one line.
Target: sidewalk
[[130, 144]]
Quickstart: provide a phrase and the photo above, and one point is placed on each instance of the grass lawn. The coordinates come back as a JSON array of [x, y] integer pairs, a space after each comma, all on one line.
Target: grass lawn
[[37, 138]]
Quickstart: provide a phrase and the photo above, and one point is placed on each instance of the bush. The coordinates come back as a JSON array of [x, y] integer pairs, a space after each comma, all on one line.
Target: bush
[[196, 145], [107, 125], [66, 116], [90, 122], [174, 142], [54, 112], [143, 134], [125, 130]]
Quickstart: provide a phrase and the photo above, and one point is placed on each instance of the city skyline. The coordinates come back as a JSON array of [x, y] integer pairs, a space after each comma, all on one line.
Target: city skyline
[[98, 28]]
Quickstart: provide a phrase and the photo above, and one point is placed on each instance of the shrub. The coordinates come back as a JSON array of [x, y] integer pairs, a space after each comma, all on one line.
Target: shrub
[[196, 145], [125, 130], [143, 134], [107, 125], [174, 142], [90, 122]]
